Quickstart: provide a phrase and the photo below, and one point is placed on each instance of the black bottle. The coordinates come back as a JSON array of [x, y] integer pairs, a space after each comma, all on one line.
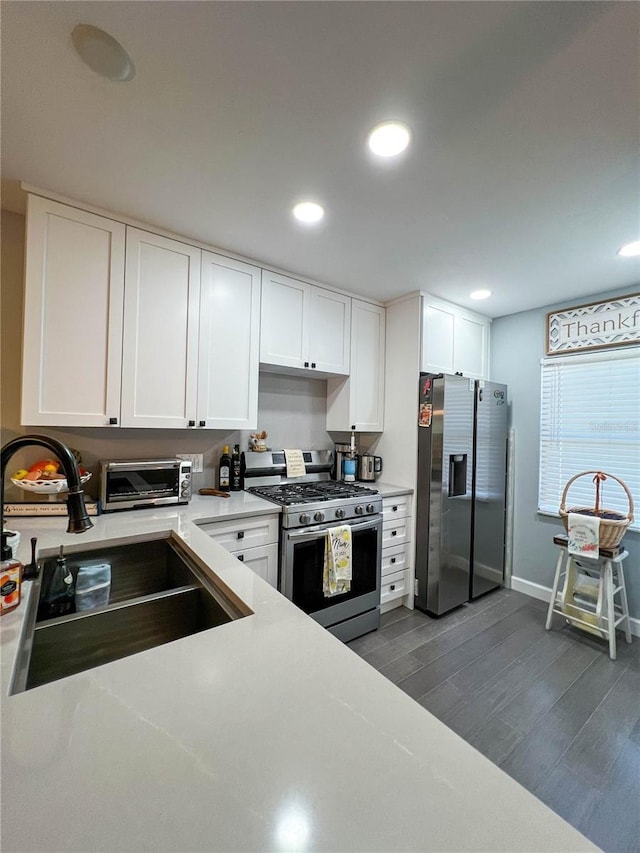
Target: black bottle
[[236, 471], [224, 470], [58, 600]]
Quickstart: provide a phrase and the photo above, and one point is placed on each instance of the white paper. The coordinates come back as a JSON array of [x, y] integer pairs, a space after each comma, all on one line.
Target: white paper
[[295, 463]]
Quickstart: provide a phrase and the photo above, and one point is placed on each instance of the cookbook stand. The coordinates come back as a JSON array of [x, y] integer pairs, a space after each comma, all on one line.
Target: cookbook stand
[[589, 589]]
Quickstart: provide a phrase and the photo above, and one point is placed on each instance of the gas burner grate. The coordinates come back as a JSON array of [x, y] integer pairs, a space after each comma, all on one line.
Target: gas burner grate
[[292, 494]]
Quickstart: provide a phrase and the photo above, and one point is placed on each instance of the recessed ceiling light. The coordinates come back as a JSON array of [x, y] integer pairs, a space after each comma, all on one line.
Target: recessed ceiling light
[[631, 250], [389, 138], [102, 53], [308, 211], [480, 294]]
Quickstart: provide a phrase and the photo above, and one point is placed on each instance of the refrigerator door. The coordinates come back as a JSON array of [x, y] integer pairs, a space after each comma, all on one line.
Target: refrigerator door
[[444, 492], [489, 488]]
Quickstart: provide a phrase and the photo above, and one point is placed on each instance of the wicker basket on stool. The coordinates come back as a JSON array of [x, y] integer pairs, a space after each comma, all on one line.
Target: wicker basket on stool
[[613, 525]]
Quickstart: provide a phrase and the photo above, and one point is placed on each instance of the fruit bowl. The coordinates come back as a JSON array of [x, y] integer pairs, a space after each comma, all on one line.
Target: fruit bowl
[[46, 487]]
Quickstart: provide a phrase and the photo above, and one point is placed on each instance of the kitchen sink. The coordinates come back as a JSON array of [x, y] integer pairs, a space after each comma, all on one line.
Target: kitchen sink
[[159, 593]]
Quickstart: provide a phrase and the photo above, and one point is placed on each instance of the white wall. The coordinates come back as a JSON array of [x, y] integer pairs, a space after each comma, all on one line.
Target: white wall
[[517, 345]]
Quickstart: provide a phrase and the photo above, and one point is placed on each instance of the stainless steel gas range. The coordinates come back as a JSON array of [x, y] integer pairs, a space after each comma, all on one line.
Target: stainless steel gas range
[[311, 506]]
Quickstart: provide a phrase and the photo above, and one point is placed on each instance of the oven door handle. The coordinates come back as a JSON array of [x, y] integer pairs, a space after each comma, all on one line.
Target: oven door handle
[[312, 532]]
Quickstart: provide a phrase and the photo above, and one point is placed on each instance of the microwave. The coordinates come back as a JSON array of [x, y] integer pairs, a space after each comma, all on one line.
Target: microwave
[[139, 483]]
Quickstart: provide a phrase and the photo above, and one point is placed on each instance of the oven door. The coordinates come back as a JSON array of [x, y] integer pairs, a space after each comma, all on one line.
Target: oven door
[[302, 567]]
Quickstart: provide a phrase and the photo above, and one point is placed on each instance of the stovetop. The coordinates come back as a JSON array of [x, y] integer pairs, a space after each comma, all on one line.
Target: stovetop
[[312, 500], [294, 494]]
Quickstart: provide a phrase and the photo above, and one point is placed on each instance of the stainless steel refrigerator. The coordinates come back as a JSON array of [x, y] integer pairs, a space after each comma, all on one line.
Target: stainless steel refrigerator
[[461, 493]]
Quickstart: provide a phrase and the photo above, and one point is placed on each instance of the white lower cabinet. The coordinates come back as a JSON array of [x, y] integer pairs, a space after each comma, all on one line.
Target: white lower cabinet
[[263, 561], [253, 540], [396, 540]]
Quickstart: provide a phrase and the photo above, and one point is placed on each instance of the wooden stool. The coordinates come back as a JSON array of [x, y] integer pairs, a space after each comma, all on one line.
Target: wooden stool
[[588, 594]]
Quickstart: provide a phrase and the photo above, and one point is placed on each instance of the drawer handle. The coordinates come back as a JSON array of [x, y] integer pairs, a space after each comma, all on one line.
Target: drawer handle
[[394, 532], [240, 534], [393, 559], [241, 557], [394, 509], [392, 587]]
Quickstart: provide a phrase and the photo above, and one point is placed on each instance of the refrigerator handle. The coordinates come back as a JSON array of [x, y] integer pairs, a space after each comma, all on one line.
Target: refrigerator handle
[[457, 475]]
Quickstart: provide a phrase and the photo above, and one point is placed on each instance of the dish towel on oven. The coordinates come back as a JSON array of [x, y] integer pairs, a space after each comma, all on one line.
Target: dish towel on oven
[[584, 535], [336, 575]]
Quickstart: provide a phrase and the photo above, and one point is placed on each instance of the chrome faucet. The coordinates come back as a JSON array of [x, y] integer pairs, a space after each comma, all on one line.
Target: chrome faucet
[[79, 521]]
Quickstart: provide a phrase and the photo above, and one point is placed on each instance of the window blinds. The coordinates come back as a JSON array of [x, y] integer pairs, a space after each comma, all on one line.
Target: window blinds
[[590, 421]]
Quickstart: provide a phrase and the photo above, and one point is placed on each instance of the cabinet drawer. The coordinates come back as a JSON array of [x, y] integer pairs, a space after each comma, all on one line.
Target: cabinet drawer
[[396, 507], [243, 533], [394, 586], [395, 532], [394, 559]]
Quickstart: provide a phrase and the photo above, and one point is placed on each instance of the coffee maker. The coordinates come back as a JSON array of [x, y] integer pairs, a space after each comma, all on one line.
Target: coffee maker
[[342, 452]]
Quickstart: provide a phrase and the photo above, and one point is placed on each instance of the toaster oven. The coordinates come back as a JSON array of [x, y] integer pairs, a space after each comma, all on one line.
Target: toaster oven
[[139, 483]]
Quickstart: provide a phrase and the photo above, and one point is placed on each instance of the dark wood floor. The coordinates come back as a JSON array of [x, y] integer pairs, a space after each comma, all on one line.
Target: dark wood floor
[[549, 707]]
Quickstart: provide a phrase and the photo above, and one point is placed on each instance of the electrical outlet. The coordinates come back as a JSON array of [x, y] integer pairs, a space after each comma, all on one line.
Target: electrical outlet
[[195, 459]]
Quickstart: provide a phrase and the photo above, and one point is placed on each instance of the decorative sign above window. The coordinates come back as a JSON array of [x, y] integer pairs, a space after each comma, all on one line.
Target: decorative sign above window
[[600, 324]]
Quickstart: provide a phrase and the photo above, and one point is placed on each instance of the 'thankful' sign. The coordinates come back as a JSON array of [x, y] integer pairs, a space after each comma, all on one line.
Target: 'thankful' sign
[[599, 324]]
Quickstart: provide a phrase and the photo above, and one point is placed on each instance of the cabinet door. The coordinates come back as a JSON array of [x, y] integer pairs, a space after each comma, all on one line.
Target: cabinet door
[[359, 399], [160, 347], [471, 342], [283, 333], [74, 284], [228, 352], [454, 340], [329, 323], [263, 561], [438, 321]]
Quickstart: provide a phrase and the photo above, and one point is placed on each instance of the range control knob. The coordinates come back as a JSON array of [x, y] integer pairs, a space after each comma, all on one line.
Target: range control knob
[[305, 518], [340, 513], [359, 509], [371, 508], [319, 516]]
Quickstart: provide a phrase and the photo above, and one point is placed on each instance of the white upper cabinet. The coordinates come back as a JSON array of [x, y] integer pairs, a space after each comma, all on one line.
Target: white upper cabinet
[[303, 327], [72, 345], [454, 340], [329, 324], [358, 400], [229, 344], [160, 346]]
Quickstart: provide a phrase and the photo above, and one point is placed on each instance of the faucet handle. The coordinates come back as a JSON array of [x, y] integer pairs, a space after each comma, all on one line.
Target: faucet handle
[[31, 571]]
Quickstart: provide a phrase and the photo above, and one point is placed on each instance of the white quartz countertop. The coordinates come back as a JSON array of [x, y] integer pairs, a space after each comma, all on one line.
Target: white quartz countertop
[[263, 734]]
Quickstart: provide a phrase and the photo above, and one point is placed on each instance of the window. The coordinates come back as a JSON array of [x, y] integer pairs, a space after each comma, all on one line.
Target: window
[[590, 421]]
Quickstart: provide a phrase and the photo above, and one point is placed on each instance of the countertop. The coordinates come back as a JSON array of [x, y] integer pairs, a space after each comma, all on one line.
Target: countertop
[[263, 734]]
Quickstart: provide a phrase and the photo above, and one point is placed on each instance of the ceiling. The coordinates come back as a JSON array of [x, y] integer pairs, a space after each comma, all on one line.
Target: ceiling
[[522, 176]]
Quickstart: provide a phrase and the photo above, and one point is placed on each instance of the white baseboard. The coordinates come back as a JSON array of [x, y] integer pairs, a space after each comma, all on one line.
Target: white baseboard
[[543, 593]]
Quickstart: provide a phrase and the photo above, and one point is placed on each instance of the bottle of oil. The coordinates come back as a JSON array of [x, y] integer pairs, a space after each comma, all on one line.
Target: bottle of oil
[[236, 471], [224, 470]]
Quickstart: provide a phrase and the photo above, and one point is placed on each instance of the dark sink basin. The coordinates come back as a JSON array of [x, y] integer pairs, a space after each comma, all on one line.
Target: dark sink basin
[[158, 594]]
